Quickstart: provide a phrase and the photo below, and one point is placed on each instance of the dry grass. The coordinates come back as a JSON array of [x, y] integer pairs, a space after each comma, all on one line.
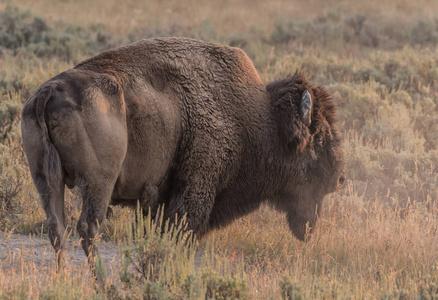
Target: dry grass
[[359, 250], [377, 238], [230, 16]]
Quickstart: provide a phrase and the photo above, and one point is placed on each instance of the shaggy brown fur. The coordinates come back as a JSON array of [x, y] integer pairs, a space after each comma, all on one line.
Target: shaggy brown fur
[[183, 123]]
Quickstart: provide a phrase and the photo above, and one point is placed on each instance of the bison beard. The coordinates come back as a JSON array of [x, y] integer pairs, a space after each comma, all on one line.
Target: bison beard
[[185, 124]]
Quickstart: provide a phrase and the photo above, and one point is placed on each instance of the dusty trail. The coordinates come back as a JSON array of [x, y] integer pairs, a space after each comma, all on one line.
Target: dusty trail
[[31, 259], [15, 248], [28, 257]]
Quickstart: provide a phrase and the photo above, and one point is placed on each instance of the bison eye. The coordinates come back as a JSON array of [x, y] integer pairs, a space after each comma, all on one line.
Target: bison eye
[[320, 140]]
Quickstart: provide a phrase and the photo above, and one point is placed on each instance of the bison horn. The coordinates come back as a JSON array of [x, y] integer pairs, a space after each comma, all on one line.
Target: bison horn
[[306, 107]]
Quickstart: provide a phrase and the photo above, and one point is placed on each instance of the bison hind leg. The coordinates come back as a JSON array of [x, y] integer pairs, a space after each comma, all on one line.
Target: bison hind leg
[[53, 204], [96, 198]]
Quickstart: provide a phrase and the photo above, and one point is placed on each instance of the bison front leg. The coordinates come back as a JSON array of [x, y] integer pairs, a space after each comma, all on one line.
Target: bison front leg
[[193, 203], [302, 217], [196, 183]]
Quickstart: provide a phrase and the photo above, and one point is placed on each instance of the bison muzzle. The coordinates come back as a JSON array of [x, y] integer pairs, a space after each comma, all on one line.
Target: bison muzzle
[[184, 124]]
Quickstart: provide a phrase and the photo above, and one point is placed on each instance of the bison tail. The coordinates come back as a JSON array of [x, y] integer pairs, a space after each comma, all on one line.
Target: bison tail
[[52, 167]]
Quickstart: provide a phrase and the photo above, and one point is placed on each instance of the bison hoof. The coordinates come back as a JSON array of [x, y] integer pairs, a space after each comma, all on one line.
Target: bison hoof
[[109, 213]]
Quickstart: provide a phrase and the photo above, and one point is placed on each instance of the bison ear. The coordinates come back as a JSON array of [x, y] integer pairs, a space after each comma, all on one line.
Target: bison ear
[[306, 108]]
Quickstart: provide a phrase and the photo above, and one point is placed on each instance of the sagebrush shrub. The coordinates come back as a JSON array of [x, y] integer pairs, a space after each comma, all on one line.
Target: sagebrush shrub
[[20, 32]]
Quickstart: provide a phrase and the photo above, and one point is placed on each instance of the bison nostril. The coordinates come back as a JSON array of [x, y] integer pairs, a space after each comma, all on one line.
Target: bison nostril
[[341, 180]]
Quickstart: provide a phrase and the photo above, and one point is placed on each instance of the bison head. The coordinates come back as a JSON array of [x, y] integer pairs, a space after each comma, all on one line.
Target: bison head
[[313, 159]]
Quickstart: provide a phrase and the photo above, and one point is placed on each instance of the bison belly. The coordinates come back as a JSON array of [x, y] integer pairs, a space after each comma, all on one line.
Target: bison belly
[[154, 130]]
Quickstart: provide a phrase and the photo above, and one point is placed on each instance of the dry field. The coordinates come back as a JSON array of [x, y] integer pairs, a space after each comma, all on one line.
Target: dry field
[[376, 238]]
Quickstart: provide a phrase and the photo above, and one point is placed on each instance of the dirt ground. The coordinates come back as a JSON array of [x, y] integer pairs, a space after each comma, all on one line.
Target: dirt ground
[[39, 251], [24, 256]]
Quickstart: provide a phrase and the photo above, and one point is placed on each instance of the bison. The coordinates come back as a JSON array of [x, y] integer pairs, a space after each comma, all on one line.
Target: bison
[[184, 124]]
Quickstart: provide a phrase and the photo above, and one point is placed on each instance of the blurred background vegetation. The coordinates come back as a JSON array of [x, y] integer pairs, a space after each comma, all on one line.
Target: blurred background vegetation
[[378, 59]]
